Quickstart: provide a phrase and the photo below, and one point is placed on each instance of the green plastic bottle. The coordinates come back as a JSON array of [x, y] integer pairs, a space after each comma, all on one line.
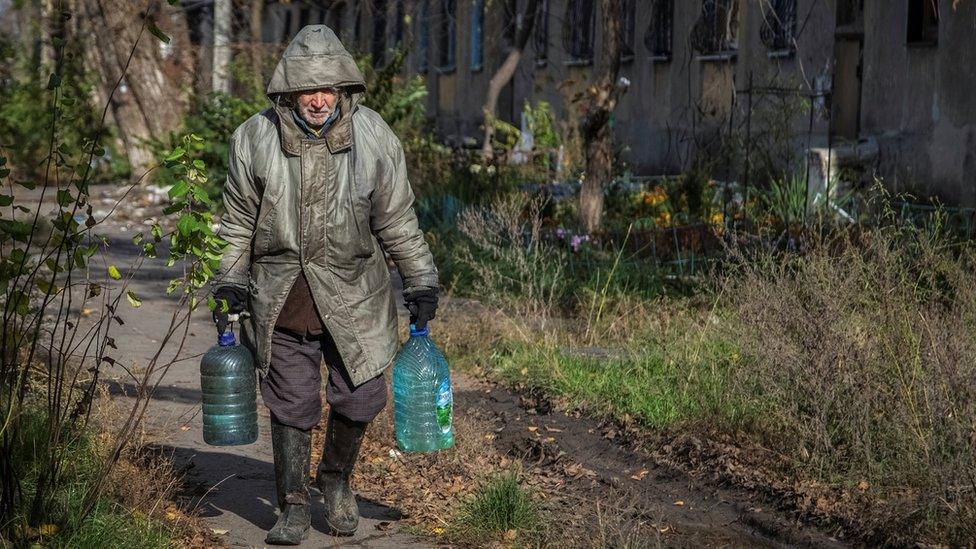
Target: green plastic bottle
[[229, 387]]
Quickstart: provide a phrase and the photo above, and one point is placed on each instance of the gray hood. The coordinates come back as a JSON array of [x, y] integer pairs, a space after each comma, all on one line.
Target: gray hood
[[315, 58]]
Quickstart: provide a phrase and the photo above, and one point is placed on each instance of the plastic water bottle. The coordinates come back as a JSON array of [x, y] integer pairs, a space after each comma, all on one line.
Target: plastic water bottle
[[422, 401], [229, 387]]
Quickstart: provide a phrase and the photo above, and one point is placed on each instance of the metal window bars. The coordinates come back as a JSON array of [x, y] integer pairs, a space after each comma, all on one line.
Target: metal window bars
[[540, 38], [447, 54], [716, 33], [778, 30], [578, 31], [660, 32]]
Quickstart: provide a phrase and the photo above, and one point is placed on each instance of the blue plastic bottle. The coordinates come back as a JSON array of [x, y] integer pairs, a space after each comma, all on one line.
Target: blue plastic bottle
[[422, 401], [229, 387]]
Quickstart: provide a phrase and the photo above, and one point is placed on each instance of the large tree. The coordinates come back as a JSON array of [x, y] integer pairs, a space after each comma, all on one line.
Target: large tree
[[595, 127]]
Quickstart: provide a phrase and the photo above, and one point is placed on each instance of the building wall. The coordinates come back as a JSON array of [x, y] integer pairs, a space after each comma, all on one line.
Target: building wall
[[917, 102]]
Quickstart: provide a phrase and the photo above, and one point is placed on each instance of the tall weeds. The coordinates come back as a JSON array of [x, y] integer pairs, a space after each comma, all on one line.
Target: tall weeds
[[861, 355]]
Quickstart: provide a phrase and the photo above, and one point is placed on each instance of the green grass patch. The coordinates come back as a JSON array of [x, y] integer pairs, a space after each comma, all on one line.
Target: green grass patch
[[500, 506], [110, 524]]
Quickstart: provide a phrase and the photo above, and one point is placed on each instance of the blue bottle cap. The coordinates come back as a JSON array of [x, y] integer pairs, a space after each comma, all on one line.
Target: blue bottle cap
[[414, 332], [226, 339]]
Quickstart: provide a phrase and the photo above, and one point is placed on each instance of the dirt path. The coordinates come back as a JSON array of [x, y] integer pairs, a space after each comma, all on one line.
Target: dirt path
[[573, 461]]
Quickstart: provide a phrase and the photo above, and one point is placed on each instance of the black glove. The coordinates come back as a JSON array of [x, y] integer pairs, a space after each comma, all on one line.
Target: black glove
[[422, 305], [236, 301]]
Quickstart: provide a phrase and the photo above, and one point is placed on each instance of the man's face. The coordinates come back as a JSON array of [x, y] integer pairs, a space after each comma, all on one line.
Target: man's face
[[315, 106]]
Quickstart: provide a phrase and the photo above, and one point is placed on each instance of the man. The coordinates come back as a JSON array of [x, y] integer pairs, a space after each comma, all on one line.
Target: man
[[317, 191]]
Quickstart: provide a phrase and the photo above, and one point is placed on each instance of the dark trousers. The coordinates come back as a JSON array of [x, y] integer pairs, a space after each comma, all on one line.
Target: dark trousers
[[291, 388]]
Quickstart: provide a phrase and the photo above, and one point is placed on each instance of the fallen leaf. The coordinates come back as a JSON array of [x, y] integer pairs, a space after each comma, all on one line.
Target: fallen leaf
[[219, 531], [438, 530], [524, 371], [47, 530], [553, 429], [533, 428], [640, 475], [86, 311], [863, 485], [679, 503], [664, 530], [510, 535], [384, 526], [185, 428]]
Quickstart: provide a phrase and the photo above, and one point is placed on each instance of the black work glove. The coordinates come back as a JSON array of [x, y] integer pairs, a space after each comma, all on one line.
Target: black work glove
[[422, 305], [236, 301]]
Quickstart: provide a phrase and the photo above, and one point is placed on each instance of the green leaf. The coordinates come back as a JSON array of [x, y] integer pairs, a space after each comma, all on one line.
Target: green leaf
[[137, 239], [133, 299], [54, 81], [45, 286], [4, 172], [199, 164], [64, 197], [211, 302], [94, 289], [157, 32], [113, 272], [177, 153], [187, 224], [6, 200], [157, 232], [25, 184], [179, 189]]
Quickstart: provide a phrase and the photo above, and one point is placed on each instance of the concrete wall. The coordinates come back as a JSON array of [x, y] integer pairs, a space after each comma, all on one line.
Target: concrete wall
[[916, 101]]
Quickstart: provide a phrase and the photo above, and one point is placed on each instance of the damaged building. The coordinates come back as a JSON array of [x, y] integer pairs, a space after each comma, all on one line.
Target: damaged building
[[882, 87]]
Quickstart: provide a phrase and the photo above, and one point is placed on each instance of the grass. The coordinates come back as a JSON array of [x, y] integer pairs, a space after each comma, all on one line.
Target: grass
[[114, 522], [851, 362], [499, 508]]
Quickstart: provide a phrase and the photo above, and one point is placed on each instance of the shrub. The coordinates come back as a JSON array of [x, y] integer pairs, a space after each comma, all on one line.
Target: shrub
[[500, 505], [861, 355]]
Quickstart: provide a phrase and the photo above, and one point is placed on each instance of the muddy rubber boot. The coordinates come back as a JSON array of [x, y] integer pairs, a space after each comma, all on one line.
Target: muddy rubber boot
[[292, 449], [343, 438]]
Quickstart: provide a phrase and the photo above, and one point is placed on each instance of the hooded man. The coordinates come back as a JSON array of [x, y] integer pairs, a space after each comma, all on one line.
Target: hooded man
[[316, 193]]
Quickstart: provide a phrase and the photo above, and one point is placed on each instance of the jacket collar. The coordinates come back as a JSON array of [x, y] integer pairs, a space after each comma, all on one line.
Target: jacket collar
[[338, 137]]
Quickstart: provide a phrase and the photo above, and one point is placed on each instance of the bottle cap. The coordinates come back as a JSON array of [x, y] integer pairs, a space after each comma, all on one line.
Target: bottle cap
[[227, 339], [414, 332]]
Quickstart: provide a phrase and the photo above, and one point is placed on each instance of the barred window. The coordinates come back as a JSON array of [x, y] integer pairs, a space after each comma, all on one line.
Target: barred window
[[423, 38], [378, 49], [778, 31], [628, 30], [660, 32], [541, 33], [717, 30], [477, 28], [923, 22], [447, 36], [578, 31]]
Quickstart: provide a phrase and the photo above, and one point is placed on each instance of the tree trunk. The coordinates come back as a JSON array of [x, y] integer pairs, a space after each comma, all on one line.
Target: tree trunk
[[221, 50], [595, 126], [257, 47], [504, 74], [150, 102]]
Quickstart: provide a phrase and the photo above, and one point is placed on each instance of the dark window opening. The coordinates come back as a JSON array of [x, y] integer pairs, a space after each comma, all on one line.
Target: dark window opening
[[286, 29], [477, 35], [336, 17], [578, 31], [447, 36], [423, 38], [540, 40], [378, 49], [716, 33], [397, 32], [778, 31], [660, 33], [923, 22], [628, 30], [850, 13], [304, 17], [510, 29]]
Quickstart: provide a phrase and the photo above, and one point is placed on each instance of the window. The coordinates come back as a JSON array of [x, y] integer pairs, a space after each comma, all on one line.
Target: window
[[396, 35], [379, 32], [447, 36], [578, 31], [660, 33], [778, 31], [850, 13], [923, 22], [628, 30], [423, 38], [511, 25], [477, 41], [716, 33], [336, 17], [540, 40]]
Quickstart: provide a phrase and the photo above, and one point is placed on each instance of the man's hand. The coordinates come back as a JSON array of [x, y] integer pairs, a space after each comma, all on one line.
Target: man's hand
[[236, 300], [422, 305]]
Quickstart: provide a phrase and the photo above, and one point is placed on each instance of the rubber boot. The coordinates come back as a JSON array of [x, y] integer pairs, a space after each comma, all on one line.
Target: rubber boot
[[292, 450], [343, 437]]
